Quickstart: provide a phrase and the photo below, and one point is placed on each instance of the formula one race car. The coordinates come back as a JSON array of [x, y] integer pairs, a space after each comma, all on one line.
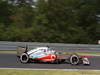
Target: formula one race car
[[46, 54]]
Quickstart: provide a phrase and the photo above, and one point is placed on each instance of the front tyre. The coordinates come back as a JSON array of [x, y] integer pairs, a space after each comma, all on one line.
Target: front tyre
[[74, 59], [24, 58]]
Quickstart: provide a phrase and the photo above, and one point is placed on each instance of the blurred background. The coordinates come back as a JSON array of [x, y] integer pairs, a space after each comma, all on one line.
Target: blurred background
[[61, 21]]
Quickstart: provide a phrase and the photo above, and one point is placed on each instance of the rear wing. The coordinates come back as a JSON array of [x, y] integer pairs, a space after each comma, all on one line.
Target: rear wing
[[21, 50]]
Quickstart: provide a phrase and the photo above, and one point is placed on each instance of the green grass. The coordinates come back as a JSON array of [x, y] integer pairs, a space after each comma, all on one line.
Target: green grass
[[46, 72], [80, 53], [89, 53], [84, 53], [7, 51]]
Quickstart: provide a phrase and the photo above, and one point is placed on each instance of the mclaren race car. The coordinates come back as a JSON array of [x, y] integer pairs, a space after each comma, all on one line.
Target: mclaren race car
[[46, 54]]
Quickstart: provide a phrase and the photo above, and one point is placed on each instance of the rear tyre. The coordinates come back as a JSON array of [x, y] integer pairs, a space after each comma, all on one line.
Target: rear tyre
[[24, 58], [74, 59]]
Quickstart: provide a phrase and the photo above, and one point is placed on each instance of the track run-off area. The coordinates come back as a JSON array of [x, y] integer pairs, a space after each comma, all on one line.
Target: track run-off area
[[9, 60]]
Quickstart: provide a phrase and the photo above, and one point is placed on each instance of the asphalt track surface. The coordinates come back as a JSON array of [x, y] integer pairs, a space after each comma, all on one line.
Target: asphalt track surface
[[10, 61]]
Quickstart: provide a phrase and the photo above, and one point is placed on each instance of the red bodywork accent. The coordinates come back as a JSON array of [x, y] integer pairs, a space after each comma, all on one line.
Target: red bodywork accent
[[49, 58], [86, 56]]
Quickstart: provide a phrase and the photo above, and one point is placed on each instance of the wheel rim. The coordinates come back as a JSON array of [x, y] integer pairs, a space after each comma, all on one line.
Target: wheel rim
[[24, 58], [74, 59]]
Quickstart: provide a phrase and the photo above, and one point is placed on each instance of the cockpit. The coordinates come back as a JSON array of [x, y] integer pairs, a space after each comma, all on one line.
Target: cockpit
[[47, 50], [42, 50]]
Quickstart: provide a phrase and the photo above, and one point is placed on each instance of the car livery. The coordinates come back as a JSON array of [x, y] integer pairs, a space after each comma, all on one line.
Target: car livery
[[46, 54]]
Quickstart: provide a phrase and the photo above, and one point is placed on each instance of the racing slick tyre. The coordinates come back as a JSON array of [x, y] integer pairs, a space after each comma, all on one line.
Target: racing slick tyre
[[24, 58], [74, 59]]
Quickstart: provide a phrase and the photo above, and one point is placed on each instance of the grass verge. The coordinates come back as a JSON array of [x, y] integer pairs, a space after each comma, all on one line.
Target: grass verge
[[47, 72], [85, 53], [89, 53], [7, 51], [80, 53]]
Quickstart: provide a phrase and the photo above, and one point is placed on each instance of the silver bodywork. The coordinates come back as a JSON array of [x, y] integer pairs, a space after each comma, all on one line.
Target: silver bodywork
[[40, 52]]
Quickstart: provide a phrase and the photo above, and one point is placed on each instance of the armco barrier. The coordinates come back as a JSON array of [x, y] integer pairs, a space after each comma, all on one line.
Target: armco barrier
[[4, 45]]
